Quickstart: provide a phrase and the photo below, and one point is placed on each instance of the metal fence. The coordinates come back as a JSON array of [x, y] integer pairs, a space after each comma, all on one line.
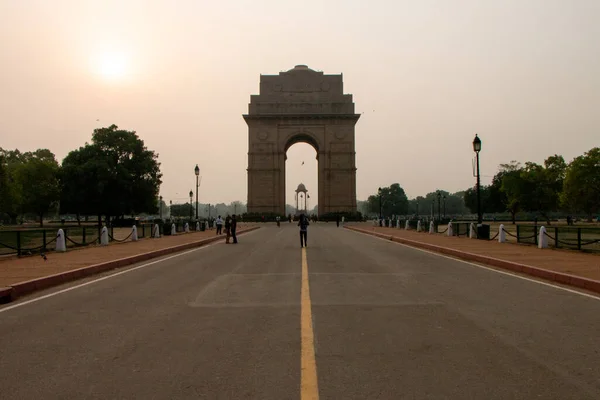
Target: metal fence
[[34, 241]]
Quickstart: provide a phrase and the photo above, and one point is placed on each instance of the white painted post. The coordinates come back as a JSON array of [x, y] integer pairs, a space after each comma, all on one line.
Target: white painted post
[[173, 230], [419, 226], [187, 227], [197, 226], [134, 236], [398, 225], [472, 234], [431, 228], [542, 238], [501, 234], [450, 230], [344, 219], [156, 231], [61, 245], [104, 236], [406, 226]]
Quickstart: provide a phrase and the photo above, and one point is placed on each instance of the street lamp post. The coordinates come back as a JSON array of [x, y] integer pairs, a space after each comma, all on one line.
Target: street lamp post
[[477, 149], [380, 192], [171, 209], [439, 197], [160, 207], [191, 206], [197, 172], [444, 197], [417, 209]]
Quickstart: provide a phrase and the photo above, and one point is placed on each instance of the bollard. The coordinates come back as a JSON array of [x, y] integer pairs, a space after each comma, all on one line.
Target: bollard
[[406, 225], [197, 226], [173, 229], [501, 234], [450, 229], [60, 241], [104, 236], [156, 232], [431, 228], [472, 232], [134, 236], [187, 227], [542, 239], [419, 226]]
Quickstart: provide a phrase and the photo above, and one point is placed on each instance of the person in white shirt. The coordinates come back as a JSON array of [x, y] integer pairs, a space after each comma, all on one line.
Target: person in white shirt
[[219, 222]]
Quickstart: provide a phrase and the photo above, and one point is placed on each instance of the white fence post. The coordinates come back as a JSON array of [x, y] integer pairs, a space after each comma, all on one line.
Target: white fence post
[[472, 232], [156, 232], [61, 245], [501, 234], [173, 230], [187, 227], [134, 235], [104, 236], [542, 238], [450, 230]]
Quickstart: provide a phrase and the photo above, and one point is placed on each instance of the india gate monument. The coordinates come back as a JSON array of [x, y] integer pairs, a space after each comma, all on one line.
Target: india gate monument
[[301, 105]]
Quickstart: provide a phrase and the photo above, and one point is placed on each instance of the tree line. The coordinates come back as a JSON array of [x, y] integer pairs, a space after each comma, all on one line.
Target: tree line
[[541, 189], [113, 176]]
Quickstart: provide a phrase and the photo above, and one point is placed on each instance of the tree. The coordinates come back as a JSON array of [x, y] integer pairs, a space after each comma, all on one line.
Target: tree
[[39, 182], [115, 175], [393, 201], [513, 187], [543, 185], [581, 188]]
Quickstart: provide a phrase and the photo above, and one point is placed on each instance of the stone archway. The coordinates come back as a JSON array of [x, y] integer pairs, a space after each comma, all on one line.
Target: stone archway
[[301, 105]]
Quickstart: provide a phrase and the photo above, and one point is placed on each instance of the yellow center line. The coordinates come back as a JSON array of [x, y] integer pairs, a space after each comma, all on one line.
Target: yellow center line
[[309, 387]]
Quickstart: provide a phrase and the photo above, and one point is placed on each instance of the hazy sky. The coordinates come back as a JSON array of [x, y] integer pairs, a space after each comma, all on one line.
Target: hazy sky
[[427, 75]]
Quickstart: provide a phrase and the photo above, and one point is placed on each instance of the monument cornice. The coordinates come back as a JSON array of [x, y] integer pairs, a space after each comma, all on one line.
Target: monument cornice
[[354, 117]]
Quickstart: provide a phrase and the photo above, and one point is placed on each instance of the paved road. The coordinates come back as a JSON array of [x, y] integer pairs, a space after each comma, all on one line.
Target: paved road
[[226, 322]]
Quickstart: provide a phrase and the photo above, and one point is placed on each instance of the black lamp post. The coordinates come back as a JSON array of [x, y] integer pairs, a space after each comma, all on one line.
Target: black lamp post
[[439, 197], [191, 206], [477, 149], [160, 206], [197, 172], [417, 209], [171, 209], [380, 193], [444, 197]]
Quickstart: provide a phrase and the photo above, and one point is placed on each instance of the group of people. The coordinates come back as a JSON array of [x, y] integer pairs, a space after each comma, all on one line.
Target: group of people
[[230, 227]]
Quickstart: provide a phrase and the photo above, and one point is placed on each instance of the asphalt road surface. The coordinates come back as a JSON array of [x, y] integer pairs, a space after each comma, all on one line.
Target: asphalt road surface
[[353, 317]]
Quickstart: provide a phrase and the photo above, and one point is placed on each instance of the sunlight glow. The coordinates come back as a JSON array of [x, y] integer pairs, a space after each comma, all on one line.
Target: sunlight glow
[[111, 66]]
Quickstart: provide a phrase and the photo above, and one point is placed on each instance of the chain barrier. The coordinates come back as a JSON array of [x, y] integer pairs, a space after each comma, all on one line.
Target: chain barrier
[[570, 244], [16, 249], [120, 240]]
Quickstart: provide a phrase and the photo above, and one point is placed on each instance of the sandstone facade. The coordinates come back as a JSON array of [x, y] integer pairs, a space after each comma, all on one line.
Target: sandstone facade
[[301, 105]]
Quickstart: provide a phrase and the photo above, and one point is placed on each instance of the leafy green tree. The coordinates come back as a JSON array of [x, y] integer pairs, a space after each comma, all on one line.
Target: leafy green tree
[[115, 175], [581, 188], [543, 185], [393, 201], [39, 183], [513, 186]]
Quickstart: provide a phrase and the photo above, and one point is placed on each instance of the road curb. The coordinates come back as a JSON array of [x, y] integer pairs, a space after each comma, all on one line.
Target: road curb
[[552, 276], [17, 290]]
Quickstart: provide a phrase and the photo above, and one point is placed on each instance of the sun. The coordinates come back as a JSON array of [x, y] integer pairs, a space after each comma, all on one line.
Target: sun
[[111, 66]]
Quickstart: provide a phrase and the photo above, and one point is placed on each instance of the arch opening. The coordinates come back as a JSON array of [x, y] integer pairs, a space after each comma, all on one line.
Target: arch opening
[[301, 179]]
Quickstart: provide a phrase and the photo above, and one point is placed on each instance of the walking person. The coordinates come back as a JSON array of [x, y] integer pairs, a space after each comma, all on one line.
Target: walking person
[[303, 224], [227, 229], [219, 225], [233, 229]]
